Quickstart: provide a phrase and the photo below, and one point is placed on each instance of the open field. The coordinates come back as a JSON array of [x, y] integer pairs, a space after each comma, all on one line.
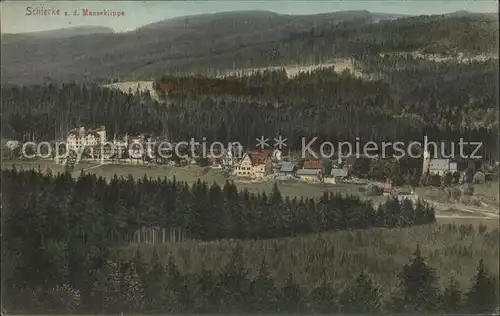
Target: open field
[[337, 256], [191, 174], [133, 86], [293, 70]]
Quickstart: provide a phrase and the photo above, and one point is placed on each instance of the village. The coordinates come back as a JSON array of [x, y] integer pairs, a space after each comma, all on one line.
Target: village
[[257, 168], [254, 166]]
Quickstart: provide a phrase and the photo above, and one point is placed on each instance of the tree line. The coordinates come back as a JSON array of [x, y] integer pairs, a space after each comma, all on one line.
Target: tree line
[[202, 211]]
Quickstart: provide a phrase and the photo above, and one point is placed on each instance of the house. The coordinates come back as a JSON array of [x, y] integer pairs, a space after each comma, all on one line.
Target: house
[[310, 175], [387, 190], [87, 138], [437, 166], [286, 169], [256, 164], [441, 166], [314, 164], [227, 158], [12, 144], [339, 174]]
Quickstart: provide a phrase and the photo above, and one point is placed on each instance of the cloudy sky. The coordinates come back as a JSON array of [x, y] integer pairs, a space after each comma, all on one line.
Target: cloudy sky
[[15, 19]]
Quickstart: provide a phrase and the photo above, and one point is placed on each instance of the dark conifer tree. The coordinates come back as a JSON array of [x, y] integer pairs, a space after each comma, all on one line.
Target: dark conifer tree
[[204, 294], [418, 284], [263, 292], [234, 284], [452, 298], [361, 297], [292, 298], [482, 297], [323, 299]]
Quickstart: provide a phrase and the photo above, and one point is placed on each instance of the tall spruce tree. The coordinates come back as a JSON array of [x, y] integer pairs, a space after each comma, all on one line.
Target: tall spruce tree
[[204, 296], [482, 297], [292, 297], [362, 296], [418, 284], [154, 283], [174, 288], [323, 299], [452, 298], [131, 290], [234, 284], [263, 292]]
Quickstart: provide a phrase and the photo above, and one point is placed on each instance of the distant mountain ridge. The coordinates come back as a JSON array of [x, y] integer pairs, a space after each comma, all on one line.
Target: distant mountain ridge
[[65, 32], [224, 40]]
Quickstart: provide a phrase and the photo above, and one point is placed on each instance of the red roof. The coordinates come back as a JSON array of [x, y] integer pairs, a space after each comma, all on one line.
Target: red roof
[[314, 164], [260, 157]]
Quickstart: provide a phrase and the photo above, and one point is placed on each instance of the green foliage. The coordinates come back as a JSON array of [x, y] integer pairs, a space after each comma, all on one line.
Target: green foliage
[[323, 299], [204, 294], [371, 110], [418, 284], [293, 299], [59, 254], [263, 293], [233, 283], [482, 297], [361, 297], [452, 298]]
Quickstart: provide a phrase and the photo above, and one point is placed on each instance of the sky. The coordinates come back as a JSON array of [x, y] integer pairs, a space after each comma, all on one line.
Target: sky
[[15, 18]]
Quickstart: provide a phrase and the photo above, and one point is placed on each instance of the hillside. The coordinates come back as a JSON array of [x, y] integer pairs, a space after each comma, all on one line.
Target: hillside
[[230, 40], [58, 33]]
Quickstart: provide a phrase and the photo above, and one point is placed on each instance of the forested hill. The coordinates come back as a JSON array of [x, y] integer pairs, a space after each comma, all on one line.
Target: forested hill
[[445, 102], [211, 43]]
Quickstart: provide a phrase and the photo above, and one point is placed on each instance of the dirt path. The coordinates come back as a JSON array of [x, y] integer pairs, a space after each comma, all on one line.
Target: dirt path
[[86, 169], [475, 211]]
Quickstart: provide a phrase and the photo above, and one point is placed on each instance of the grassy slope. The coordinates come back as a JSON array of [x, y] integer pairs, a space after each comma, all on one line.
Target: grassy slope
[[338, 256], [191, 174]]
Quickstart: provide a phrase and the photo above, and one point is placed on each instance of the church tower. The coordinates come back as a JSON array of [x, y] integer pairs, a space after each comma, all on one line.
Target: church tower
[[426, 161]]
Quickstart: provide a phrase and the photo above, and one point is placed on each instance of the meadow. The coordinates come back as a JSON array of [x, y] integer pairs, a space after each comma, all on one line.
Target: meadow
[[191, 174], [337, 257]]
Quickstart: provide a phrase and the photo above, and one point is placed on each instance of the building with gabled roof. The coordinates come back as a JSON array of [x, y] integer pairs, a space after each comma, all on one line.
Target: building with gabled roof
[[310, 175], [286, 168], [254, 164], [439, 166], [387, 189], [339, 174], [82, 137], [314, 164]]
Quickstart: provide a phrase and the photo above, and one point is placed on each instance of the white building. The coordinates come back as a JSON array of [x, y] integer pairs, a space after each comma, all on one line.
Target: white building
[[254, 165], [437, 166], [227, 158], [82, 138]]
